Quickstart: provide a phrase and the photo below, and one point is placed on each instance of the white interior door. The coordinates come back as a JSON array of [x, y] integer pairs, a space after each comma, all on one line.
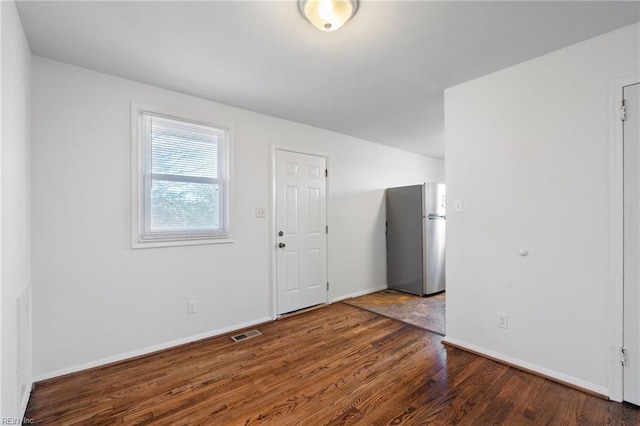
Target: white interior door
[[301, 220], [631, 193]]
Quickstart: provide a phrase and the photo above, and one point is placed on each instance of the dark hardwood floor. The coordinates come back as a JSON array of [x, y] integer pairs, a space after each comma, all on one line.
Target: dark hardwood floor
[[335, 365]]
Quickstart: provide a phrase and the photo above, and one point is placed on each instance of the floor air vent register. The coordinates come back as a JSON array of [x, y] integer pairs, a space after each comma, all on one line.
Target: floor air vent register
[[246, 335]]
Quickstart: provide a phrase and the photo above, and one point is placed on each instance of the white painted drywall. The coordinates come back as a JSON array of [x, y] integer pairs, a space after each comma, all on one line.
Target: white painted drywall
[[96, 299], [528, 153], [15, 202]]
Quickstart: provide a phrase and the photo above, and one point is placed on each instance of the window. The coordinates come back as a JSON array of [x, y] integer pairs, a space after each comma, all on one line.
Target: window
[[182, 188]]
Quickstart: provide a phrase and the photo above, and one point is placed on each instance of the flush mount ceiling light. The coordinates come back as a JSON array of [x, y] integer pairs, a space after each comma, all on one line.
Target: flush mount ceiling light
[[328, 15]]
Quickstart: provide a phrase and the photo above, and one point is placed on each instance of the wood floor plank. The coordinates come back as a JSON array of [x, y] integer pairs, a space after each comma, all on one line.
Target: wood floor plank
[[375, 390], [519, 392], [347, 367], [338, 365], [443, 388]]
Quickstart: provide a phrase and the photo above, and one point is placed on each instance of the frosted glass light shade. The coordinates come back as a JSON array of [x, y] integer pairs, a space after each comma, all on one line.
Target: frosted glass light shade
[[328, 15]]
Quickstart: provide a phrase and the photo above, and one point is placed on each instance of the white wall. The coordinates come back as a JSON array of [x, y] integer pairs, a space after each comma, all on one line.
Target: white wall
[[15, 210], [95, 299], [528, 153]]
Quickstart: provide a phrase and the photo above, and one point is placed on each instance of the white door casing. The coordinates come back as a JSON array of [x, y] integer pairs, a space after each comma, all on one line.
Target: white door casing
[[301, 241], [631, 243]]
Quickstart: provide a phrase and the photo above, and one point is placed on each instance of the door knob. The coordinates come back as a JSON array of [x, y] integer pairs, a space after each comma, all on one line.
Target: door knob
[[282, 245]]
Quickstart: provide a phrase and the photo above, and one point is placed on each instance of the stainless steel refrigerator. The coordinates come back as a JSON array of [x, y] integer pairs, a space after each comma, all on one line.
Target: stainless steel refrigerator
[[416, 224]]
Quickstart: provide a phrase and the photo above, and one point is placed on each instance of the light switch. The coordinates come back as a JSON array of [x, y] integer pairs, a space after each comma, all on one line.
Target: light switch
[[261, 212], [457, 206]]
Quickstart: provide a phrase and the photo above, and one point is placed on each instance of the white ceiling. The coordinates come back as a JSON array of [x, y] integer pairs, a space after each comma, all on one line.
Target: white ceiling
[[380, 78]]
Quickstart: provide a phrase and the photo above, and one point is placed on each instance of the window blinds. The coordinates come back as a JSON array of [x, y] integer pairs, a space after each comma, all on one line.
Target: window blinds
[[184, 178]]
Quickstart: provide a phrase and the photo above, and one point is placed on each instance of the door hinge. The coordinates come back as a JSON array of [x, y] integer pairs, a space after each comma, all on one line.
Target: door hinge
[[623, 110], [326, 173], [326, 229], [327, 285], [623, 356]]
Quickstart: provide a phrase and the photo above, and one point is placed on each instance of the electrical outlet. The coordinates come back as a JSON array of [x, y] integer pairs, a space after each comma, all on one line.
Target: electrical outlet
[[261, 212], [192, 306], [503, 320]]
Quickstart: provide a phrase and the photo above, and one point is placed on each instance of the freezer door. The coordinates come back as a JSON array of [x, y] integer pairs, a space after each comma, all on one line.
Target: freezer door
[[434, 274], [436, 197], [404, 239]]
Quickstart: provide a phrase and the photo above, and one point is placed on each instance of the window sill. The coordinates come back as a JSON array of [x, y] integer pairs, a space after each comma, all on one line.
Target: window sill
[[137, 244]]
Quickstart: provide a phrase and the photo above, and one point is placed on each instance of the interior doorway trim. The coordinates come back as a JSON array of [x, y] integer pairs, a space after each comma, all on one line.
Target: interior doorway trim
[[273, 225], [615, 308]]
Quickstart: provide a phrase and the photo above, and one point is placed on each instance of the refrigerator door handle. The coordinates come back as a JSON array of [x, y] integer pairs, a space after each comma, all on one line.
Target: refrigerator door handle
[[437, 216]]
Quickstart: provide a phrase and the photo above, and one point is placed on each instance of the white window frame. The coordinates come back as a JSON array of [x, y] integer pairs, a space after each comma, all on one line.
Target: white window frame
[[139, 164]]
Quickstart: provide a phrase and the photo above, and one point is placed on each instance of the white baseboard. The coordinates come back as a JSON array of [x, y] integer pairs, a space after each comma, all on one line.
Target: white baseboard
[[25, 401], [527, 366], [148, 350], [359, 293]]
